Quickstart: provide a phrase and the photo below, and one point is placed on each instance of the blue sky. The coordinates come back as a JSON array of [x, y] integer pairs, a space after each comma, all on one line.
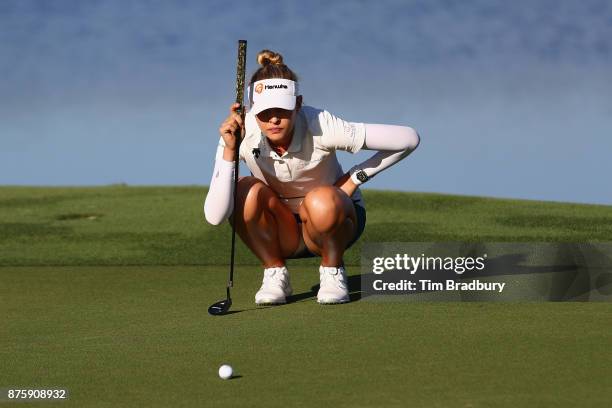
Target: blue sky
[[512, 99]]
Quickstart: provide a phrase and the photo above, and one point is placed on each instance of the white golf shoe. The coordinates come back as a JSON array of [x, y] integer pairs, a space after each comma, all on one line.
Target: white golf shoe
[[333, 288], [275, 287]]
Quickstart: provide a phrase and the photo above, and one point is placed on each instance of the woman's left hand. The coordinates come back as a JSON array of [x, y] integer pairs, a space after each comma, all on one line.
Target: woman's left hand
[[345, 184]]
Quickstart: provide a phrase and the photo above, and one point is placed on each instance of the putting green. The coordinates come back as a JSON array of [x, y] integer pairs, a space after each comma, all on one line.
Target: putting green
[[140, 336], [85, 305]]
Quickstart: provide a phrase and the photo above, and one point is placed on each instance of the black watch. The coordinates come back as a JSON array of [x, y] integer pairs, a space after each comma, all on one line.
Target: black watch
[[362, 176]]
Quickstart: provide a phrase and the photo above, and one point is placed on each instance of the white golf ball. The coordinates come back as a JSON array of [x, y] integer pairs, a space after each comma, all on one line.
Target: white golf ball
[[226, 371]]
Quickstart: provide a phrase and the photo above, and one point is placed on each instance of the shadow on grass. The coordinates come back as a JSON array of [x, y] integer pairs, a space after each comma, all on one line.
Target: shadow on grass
[[354, 287], [251, 309]]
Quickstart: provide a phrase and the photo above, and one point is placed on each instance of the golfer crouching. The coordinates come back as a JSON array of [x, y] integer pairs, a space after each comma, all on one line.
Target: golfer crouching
[[298, 202]]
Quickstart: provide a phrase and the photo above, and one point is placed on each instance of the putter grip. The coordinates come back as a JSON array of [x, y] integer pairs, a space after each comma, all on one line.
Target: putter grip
[[240, 73]]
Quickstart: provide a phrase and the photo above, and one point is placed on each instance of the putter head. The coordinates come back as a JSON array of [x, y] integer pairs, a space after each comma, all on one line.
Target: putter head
[[220, 308]]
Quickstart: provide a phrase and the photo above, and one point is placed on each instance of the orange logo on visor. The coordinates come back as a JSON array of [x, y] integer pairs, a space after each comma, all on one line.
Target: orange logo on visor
[[259, 88]]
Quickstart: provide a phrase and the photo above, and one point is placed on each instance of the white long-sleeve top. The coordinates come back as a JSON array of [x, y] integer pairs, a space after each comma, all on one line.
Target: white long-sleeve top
[[310, 160]]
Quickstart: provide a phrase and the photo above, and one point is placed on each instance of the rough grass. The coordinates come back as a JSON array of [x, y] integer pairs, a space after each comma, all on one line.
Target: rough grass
[[121, 225]]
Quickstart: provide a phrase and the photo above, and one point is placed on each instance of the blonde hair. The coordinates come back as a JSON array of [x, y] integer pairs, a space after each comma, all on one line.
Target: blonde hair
[[272, 66]]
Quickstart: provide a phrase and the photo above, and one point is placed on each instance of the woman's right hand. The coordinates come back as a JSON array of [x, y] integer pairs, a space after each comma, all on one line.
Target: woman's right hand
[[230, 127]]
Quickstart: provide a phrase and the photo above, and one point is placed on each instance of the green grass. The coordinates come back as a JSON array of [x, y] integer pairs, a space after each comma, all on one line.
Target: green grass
[[165, 225], [104, 292]]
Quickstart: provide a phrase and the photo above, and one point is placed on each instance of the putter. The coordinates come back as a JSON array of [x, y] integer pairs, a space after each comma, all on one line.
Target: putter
[[223, 306]]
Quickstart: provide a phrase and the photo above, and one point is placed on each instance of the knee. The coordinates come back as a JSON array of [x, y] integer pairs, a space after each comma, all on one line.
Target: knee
[[245, 184], [323, 199], [323, 207], [249, 195]]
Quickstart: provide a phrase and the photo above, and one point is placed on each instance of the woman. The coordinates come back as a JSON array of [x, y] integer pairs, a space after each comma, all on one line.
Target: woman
[[298, 202]]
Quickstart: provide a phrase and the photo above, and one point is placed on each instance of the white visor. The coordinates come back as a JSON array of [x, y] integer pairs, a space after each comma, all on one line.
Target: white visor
[[272, 93]]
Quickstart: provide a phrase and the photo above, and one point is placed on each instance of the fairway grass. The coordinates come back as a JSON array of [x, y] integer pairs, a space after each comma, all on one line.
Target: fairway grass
[[104, 291]]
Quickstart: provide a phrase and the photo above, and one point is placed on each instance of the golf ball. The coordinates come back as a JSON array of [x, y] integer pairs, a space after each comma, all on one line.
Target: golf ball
[[226, 371]]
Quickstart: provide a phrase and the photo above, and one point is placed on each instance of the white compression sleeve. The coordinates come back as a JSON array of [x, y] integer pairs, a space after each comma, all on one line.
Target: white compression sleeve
[[393, 143], [219, 204]]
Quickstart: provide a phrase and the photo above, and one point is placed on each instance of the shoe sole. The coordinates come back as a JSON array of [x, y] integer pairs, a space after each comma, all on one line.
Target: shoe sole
[[269, 303], [332, 302]]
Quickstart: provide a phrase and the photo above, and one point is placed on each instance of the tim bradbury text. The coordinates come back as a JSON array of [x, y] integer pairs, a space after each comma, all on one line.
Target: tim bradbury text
[[405, 285]]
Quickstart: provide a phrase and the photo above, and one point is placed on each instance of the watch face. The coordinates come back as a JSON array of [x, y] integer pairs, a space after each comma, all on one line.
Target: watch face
[[362, 176]]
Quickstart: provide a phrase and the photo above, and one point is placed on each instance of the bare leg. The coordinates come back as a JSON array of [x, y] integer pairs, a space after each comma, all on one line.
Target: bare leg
[[329, 223], [264, 223]]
